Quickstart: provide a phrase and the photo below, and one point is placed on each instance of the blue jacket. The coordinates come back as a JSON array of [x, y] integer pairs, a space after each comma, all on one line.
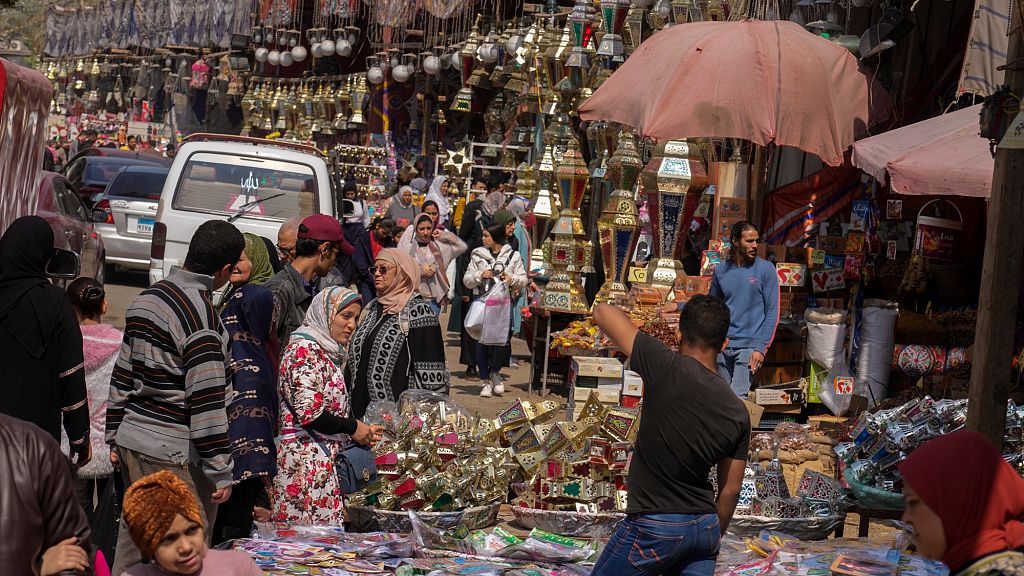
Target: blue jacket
[[752, 295]]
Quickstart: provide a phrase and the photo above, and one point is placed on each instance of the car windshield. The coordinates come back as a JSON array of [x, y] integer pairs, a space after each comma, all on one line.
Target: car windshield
[[224, 183], [102, 170], [137, 185]]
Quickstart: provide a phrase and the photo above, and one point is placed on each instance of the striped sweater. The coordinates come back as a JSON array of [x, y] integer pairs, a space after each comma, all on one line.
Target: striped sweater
[[167, 392]]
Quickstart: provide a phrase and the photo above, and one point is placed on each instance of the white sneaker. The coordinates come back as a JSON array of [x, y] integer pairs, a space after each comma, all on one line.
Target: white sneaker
[[497, 385], [486, 392], [514, 365]]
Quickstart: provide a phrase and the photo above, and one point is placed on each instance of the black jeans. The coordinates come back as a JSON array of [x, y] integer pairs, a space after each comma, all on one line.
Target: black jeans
[[234, 517]]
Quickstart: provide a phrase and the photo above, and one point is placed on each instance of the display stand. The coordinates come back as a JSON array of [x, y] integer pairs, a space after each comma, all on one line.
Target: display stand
[[544, 317]]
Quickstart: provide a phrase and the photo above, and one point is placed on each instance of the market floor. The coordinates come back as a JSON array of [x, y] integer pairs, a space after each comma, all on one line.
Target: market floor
[[124, 285]]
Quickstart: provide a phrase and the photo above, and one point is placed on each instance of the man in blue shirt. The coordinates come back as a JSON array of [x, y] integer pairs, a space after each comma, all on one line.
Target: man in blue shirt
[[750, 288]]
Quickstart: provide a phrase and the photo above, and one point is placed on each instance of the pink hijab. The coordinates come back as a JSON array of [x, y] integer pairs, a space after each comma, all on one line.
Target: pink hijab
[[405, 284]]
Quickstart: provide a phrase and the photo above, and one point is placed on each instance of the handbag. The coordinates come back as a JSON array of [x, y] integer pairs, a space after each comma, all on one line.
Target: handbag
[[355, 466]]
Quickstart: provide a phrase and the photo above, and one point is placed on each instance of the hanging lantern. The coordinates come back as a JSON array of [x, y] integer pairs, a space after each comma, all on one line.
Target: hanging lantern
[[619, 225], [200, 75], [675, 170], [581, 24], [614, 14], [359, 97]]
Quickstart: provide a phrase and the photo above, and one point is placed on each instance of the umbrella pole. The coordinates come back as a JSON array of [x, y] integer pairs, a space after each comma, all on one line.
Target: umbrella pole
[[1000, 276], [758, 181]]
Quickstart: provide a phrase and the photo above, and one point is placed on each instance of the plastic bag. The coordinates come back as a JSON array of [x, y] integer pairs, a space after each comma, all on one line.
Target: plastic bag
[[874, 360], [826, 337], [836, 391], [497, 315], [474, 324]]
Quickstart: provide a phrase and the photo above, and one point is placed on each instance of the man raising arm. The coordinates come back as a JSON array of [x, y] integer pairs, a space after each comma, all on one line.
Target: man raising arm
[[691, 422]]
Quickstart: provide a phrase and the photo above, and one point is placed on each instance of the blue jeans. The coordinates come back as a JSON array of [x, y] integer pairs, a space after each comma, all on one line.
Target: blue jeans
[[734, 366], [684, 544]]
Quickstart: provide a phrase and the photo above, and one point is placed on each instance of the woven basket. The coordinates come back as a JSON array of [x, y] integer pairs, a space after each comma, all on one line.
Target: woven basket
[[568, 523], [872, 497], [368, 519]]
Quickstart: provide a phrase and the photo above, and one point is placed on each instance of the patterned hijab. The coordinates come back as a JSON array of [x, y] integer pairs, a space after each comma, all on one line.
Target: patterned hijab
[[405, 284], [317, 324], [493, 201], [256, 252]]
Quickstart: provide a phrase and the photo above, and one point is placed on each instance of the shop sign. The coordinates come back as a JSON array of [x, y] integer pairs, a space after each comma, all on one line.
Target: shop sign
[[793, 275], [637, 274], [827, 280]]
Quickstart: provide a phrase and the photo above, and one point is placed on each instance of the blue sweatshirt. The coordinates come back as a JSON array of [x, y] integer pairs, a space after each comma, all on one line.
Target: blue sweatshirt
[[752, 295]]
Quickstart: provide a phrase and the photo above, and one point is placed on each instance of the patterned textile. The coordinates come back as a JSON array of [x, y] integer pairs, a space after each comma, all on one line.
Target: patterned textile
[[917, 360], [253, 412], [379, 356], [306, 489]]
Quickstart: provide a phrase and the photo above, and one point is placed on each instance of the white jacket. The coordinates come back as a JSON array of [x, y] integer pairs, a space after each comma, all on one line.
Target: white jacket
[[508, 262]]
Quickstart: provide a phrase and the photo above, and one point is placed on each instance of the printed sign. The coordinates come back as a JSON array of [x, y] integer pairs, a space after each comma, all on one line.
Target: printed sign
[[894, 209], [817, 257], [790, 274], [637, 274], [827, 279], [843, 384]]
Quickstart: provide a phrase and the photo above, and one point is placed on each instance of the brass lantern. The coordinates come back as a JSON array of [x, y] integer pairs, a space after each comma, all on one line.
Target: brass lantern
[[358, 99], [568, 251], [619, 226], [676, 168], [613, 12]]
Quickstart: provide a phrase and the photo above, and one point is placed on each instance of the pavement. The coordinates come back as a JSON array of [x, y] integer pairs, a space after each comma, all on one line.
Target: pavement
[[124, 285]]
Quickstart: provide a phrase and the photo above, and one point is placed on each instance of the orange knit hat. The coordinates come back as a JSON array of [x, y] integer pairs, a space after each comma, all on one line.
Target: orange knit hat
[[150, 505]]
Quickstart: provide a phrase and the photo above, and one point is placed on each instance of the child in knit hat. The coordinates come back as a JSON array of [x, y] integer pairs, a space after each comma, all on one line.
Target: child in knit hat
[[163, 518]]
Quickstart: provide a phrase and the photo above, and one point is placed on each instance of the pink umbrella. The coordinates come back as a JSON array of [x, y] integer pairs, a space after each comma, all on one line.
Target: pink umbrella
[[766, 82], [942, 155]]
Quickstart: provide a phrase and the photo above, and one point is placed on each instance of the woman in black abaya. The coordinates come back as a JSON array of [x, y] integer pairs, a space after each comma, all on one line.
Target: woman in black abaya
[[40, 341]]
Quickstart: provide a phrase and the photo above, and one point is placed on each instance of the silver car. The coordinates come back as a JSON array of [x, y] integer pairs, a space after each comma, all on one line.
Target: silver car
[[125, 214]]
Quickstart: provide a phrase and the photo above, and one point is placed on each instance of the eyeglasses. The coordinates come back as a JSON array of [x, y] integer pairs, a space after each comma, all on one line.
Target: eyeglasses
[[382, 269], [284, 250]]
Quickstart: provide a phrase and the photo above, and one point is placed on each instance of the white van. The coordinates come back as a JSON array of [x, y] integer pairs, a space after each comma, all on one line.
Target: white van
[[253, 183]]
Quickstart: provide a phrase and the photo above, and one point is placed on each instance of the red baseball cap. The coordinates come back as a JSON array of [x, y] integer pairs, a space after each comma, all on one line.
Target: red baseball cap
[[325, 229]]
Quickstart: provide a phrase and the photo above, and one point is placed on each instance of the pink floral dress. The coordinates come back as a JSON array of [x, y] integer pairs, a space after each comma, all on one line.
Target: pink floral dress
[[306, 490]]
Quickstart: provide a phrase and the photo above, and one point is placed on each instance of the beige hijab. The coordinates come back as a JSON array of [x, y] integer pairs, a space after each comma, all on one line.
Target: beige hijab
[[405, 284]]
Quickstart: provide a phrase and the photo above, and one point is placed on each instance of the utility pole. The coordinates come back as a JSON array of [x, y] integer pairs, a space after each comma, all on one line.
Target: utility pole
[[1000, 277]]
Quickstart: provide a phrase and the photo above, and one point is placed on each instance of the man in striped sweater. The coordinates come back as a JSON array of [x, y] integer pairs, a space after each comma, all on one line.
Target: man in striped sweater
[[167, 392]]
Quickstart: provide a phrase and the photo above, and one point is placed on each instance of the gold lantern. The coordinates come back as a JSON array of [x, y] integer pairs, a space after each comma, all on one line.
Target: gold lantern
[[619, 226], [568, 251], [359, 96], [676, 168]]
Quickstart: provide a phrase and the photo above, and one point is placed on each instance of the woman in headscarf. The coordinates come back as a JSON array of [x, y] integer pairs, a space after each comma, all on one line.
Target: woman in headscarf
[[965, 505], [495, 261], [433, 248], [402, 210], [248, 315], [479, 215], [438, 194], [398, 344], [40, 340], [316, 422]]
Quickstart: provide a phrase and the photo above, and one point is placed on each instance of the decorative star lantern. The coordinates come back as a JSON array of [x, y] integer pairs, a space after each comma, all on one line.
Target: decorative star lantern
[[619, 225], [675, 170]]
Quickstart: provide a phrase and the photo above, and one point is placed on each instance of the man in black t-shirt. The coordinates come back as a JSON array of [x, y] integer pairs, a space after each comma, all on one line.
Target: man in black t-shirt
[[691, 422]]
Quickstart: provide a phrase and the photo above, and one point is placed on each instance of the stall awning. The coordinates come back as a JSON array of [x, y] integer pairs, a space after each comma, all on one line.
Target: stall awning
[[942, 155]]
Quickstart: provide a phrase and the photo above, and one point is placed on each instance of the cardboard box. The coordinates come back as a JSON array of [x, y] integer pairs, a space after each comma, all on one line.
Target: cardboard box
[[778, 396], [631, 401], [833, 245], [632, 384], [602, 373], [772, 253], [755, 413], [606, 396], [689, 286]]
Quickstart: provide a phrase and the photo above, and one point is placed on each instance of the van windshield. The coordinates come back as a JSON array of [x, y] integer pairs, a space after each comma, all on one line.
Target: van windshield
[[223, 183]]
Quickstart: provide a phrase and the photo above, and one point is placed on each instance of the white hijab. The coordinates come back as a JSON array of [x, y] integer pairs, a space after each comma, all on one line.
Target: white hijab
[[439, 197], [316, 326]]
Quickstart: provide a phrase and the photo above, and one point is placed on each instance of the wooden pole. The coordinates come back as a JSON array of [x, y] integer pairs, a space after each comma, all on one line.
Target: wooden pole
[[1004, 238]]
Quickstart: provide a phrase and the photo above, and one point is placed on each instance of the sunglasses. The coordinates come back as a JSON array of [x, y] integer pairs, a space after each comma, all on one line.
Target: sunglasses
[[382, 269]]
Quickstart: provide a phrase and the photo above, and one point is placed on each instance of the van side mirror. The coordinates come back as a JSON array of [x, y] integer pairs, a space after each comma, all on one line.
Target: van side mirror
[[63, 264]]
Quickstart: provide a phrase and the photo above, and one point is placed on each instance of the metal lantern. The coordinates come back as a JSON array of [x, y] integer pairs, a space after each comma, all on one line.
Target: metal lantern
[[675, 169], [359, 96], [463, 101], [619, 226], [568, 251], [613, 12], [581, 24]]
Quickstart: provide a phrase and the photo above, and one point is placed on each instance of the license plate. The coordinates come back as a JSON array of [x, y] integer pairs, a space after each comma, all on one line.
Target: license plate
[[144, 225]]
